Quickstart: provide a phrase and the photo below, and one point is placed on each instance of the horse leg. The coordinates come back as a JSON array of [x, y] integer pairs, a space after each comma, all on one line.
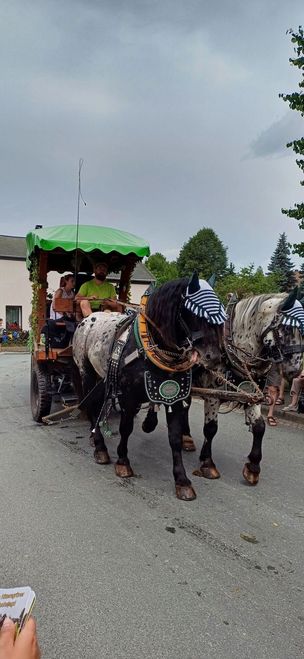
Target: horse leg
[[255, 420], [188, 444], [207, 468], [93, 407], [183, 487], [150, 421], [122, 466]]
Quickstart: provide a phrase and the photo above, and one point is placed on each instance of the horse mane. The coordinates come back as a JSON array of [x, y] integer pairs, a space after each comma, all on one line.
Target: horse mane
[[163, 308], [255, 302]]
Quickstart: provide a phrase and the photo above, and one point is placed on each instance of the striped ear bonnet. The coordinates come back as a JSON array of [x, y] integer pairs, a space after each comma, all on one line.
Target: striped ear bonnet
[[202, 301], [294, 317]]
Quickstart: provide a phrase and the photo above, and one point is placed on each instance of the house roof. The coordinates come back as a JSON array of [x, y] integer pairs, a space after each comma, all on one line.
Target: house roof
[[14, 248], [141, 274]]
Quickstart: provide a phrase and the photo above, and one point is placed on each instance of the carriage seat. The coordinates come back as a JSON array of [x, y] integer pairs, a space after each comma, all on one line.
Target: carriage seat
[[58, 333]]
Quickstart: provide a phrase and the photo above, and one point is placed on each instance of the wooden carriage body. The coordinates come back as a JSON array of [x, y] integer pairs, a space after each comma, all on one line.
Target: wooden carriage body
[[68, 248]]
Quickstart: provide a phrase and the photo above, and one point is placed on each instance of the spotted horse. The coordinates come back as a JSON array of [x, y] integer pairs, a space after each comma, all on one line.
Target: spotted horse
[[259, 331], [151, 360]]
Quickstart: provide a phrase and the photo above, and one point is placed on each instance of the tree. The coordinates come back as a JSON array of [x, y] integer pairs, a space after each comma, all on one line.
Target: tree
[[301, 289], [162, 269], [281, 264], [246, 282], [204, 253], [296, 102], [231, 269]]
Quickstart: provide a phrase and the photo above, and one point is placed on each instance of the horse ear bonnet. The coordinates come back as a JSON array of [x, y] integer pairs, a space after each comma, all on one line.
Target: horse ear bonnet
[[293, 312], [290, 300], [212, 280], [201, 300], [194, 284]]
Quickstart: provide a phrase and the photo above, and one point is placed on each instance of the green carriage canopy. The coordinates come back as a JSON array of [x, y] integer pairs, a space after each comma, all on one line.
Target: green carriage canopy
[[91, 238]]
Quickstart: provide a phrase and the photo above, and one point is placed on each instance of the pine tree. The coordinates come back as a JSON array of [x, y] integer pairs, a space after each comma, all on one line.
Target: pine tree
[[301, 289], [281, 264], [296, 102]]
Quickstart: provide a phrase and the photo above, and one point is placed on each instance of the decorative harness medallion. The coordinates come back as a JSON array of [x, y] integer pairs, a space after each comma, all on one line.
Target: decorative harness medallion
[[170, 391]]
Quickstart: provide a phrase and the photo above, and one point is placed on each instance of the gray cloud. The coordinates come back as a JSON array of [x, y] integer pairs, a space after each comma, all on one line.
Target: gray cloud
[[161, 100], [273, 140]]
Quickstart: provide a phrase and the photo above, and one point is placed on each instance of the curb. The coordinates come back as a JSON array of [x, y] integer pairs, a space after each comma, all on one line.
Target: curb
[[295, 417]]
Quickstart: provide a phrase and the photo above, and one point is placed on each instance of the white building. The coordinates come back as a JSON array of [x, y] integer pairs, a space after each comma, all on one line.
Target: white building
[[15, 287]]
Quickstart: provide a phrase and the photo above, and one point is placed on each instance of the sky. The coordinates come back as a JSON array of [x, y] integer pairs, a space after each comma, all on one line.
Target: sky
[[173, 106]]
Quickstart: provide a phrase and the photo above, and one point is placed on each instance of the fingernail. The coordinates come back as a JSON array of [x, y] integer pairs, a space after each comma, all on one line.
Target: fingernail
[[7, 622]]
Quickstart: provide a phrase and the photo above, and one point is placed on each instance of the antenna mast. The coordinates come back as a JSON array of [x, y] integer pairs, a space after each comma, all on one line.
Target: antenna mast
[[78, 214]]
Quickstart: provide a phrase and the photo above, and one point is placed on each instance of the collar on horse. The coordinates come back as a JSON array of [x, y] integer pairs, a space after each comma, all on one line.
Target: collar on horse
[[163, 359]]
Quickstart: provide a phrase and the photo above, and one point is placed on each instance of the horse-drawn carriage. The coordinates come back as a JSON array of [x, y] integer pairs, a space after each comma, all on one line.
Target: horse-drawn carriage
[[178, 327], [68, 248]]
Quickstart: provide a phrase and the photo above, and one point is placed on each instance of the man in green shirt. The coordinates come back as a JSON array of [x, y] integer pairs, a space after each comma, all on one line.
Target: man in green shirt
[[98, 294]]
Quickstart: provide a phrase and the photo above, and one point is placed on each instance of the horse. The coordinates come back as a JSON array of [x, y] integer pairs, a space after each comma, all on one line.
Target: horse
[[156, 354], [259, 331]]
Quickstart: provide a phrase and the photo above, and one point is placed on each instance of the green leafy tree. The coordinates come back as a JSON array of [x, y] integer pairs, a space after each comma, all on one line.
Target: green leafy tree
[[281, 264], [296, 102], [162, 269], [247, 282], [204, 253]]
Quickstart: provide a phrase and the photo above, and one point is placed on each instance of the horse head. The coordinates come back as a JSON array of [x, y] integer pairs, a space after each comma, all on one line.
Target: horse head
[[284, 336], [188, 316]]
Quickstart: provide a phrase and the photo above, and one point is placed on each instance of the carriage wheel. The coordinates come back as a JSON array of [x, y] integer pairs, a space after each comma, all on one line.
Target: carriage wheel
[[41, 396]]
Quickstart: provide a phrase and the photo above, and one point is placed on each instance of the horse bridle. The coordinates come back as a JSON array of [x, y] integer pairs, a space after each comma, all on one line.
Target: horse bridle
[[282, 350]]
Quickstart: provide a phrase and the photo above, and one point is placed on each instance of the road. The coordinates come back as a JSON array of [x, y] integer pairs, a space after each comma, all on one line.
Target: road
[[122, 568]]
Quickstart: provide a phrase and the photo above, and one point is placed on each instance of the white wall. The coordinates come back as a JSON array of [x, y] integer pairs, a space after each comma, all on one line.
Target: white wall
[[137, 290], [15, 288]]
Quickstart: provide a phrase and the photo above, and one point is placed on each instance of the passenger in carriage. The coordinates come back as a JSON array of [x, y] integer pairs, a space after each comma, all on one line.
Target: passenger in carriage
[[65, 292], [97, 294]]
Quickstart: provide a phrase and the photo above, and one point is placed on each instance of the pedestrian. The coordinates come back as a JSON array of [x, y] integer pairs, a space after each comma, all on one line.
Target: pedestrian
[[273, 384], [281, 397], [296, 387]]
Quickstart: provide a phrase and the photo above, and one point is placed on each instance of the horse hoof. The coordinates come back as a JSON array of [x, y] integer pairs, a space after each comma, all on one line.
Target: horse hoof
[[123, 471], [249, 476], [101, 457], [207, 471], [188, 444], [185, 492]]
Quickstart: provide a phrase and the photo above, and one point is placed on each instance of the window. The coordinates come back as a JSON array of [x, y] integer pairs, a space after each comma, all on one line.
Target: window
[[13, 315]]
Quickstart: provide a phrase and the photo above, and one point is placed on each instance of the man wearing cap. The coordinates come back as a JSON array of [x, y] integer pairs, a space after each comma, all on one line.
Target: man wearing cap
[[97, 293]]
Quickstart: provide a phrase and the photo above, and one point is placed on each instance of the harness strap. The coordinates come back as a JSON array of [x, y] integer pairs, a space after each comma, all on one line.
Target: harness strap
[[163, 359], [143, 341]]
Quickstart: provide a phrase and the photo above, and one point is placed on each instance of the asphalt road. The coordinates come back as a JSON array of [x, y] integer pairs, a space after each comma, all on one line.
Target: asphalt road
[[124, 569]]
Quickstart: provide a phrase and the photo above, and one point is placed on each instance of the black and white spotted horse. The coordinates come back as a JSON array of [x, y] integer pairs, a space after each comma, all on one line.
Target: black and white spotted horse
[[173, 328], [270, 327]]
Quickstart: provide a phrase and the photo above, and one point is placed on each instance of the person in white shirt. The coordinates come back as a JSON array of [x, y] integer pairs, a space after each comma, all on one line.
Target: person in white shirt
[[66, 291]]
